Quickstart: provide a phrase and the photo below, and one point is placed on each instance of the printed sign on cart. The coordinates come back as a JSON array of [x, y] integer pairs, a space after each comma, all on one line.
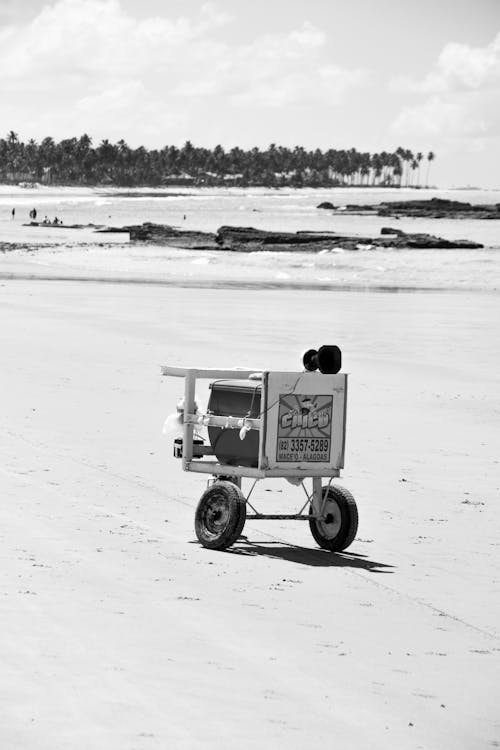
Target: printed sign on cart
[[304, 428]]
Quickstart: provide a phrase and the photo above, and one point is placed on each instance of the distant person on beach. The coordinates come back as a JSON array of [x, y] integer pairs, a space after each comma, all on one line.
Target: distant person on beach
[[13, 212], [45, 220], [34, 213], [56, 220]]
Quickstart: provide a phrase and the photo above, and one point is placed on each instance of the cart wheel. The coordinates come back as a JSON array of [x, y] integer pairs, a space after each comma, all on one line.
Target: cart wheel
[[220, 515], [338, 529]]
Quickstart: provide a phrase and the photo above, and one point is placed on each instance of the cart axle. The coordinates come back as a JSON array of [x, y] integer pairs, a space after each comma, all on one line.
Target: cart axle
[[277, 517]]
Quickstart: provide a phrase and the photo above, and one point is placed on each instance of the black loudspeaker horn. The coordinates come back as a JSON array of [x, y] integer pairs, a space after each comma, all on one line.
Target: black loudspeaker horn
[[328, 359]]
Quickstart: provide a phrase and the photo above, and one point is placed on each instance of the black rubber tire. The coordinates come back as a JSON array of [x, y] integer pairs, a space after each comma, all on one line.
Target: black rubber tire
[[220, 515], [337, 534]]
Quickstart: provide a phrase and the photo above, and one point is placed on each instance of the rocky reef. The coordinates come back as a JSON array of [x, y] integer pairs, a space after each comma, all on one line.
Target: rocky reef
[[434, 208], [249, 239], [164, 234]]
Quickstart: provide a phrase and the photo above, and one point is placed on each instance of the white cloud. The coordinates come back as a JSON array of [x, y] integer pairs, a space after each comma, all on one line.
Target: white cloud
[[329, 84], [274, 71], [90, 37], [95, 60], [462, 96], [466, 67], [453, 116], [114, 100], [459, 67], [308, 36]]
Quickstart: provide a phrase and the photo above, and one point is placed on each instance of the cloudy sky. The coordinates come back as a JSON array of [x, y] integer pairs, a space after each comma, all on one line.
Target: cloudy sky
[[373, 74]]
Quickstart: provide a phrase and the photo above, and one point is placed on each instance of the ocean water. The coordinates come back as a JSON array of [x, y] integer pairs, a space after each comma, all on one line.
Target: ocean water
[[82, 252]]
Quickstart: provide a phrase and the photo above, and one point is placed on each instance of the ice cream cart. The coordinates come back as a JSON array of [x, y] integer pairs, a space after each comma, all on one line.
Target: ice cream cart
[[264, 424]]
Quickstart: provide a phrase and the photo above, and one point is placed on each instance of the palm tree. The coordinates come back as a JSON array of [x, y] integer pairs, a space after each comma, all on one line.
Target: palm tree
[[364, 172], [14, 149], [86, 157], [398, 172], [430, 157], [418, 159], [394, 165], [122, 174], [47, 157], [31, 152], [408, 157], [187, 157], [414, 166], [376, 164], [401, 154], [219, 156], [140, 164], [66, 155], [107, 155], [76, 160]]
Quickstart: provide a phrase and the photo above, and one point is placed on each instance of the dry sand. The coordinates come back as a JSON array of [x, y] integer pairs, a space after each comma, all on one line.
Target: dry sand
[[120, 632]]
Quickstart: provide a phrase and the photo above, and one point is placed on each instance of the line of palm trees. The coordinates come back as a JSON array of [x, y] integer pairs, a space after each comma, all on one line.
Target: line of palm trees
[[76, 161]]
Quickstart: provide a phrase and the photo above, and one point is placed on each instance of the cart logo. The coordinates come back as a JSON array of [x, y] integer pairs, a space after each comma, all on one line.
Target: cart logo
[[304, 428]]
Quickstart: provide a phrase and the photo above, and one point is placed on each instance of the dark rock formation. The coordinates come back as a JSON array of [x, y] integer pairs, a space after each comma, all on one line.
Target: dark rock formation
[[439, 208], [426, 241], [326, 204], [435, 208], [9, 247], [164, 234], [390, 230], [113, 230], [249, 239], [59, 225]]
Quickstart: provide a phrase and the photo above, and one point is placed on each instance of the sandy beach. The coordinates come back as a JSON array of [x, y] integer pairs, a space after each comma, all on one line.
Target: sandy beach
[[227, 186], [120, 632]]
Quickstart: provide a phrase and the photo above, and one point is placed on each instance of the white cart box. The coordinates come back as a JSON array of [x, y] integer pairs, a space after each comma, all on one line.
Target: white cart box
[[304, 419]]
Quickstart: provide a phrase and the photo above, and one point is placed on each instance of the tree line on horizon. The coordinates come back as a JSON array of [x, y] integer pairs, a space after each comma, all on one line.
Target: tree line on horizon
[[75, 161]]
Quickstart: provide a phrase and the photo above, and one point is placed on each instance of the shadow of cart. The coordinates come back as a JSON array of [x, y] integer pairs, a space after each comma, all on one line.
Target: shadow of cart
[[305, 556]]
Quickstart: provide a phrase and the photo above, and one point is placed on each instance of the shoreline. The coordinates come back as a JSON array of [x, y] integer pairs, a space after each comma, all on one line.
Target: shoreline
[[276, 255], [231, 284]]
